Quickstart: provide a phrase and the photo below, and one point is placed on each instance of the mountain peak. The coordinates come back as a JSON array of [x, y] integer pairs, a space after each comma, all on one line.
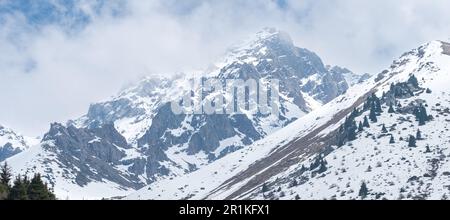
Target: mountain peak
[[270, 35], [273, 34]]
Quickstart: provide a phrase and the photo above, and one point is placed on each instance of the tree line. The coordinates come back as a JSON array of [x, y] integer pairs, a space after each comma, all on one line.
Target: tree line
[[22, 187]]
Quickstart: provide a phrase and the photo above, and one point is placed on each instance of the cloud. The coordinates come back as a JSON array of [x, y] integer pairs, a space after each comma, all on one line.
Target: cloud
[[52, 68]]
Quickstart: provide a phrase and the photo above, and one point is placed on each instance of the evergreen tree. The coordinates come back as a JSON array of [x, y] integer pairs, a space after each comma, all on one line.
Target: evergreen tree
[[355, 113], [428, 150], [391, 109], [384, 130], [265, 188], [429, 91], [19, 189], [413, 81], [419, 135], [360, 127], [351, 133], [378, 108], [421, 115], [373, 114], [37, 190], [392, 140], [366, 122], [5, 175], [323, 166], [363, 191], [412, 141]]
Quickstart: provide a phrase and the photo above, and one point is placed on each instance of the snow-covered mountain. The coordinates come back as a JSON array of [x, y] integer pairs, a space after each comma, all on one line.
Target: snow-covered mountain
[[134, 138], [12, 143], [385, 138]]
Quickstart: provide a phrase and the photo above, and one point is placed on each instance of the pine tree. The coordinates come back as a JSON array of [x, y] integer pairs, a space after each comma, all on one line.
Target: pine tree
[[373, 114], [323, 166], [366, 122], [412, 141], [360, 127], [392, 141], [19, 189], [265, 188], [351, 133], [355, 113], [428, 150], [378, 108], [391, 109], [5, 175], [419, 135], [413, 81], [37, 190], [384, 130], [421, 115], [363, 191]]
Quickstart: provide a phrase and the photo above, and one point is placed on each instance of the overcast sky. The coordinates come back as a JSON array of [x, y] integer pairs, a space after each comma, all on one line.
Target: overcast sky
[[58, 56]]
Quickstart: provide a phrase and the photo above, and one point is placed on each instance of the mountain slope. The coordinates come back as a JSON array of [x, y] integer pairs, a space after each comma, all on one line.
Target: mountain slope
[[324, 155], [135, 138], [12, 143]]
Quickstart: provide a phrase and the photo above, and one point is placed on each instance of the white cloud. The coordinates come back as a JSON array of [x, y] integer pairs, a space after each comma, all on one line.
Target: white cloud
[[50, 75]]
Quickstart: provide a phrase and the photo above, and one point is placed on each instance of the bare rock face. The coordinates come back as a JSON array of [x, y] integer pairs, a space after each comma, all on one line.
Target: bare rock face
[[11, 143], [135, 138]]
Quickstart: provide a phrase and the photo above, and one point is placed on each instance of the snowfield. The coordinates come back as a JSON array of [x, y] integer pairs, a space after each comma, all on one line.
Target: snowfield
[[390, 170]]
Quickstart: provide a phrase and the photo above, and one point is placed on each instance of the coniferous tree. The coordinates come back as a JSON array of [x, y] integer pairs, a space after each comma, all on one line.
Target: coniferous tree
[[373, 114], [392, 140], [323, 166], [378, 108], [421, 115], [351, 132], [383, 129], [413, 81], [419, 135], [265, 188], [427, 150], [363, 191], [366, 122], [360, 127], [19, 189], [412, 141], [5, 175], [391, 109], [355, 113], [37, 190]]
